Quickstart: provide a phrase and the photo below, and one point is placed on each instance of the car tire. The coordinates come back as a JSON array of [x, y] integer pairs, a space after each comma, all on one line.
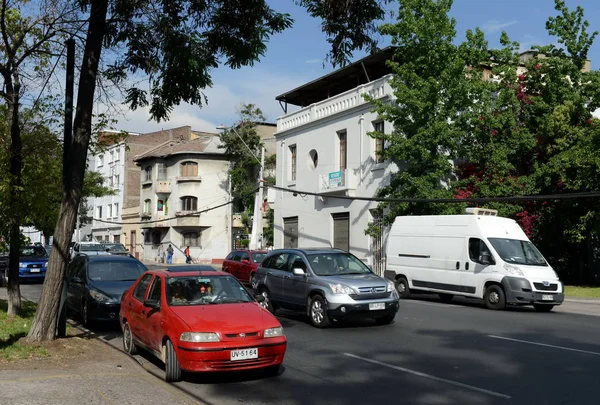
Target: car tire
[[403, 288], [446, 297], [172, 367], [494, 297], [273, 371], [85, 315], [543, 307], [318, 312], [267, 303], [385, 320], [128, 344], [251, 280]]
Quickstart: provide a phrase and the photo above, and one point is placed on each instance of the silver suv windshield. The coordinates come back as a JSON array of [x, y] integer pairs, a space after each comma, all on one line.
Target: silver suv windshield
[[336, 264], [518, 252]]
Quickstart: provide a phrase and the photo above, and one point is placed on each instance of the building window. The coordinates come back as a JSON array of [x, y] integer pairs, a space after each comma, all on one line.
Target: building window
[[148, 173], [156, 238], [116, 210], [293, 159], [160, 206], [191, 239], [189, 203], [161, 171], [109, 211], [111, 157], [117, 155], [147, 237], [343, 150], [147, 206], [99, 212], [189, 169], [314, 159], [379, 142], [100, 160], [117, 180], [117, 239]]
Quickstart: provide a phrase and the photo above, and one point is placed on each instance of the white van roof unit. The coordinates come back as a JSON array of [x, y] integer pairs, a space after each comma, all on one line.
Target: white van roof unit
[[481, 211]]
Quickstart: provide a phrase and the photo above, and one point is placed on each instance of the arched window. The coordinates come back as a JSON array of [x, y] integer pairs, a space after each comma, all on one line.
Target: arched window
[[189, 203], [189, 169]]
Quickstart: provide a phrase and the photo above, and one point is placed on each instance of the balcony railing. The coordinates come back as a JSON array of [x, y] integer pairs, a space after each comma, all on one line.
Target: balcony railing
[[352, 98]]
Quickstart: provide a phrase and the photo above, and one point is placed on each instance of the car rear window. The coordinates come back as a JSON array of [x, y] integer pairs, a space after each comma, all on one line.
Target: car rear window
[[126, 270]]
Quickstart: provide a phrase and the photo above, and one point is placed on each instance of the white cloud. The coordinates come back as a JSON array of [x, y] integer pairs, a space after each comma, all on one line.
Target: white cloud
[[495, 26]]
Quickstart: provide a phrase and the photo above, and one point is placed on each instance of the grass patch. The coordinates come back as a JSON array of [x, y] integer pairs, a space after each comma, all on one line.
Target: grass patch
[[574, 291], [12, 329]]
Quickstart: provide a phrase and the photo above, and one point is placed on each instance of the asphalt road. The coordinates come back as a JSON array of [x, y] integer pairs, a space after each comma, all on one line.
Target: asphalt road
[[433, 353]]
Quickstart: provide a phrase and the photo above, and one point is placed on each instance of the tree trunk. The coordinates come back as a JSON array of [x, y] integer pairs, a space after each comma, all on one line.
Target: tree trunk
[[14, 206], [46, 317]]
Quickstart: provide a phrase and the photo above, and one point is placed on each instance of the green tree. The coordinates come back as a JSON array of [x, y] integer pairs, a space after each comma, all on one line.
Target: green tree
[[177, 45]]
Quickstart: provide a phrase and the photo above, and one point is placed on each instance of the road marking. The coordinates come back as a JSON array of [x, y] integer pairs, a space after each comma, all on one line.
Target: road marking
[[431, 377], [545, 345]]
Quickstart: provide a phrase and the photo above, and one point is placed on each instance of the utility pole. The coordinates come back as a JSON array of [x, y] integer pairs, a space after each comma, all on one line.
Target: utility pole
[[256, 237]]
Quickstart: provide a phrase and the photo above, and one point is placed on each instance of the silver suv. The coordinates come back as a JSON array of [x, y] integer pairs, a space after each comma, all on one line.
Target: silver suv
[[329, 284]]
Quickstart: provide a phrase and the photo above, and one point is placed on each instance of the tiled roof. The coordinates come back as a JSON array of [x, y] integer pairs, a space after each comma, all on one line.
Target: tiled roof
[[206, 143]]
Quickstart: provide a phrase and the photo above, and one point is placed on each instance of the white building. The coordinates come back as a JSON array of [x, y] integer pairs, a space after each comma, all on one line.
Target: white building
[[111, 164], [324, 148], [178, 178]]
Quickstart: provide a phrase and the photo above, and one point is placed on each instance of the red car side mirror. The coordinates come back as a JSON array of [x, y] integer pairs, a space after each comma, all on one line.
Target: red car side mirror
[[245, 261]]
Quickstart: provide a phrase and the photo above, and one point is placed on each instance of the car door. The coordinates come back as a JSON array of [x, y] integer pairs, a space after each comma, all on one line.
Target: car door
[[75, 283], [135, 307], [227, 262], [244, 267], [234, 264], [152, 325], [275, 270], [295, 286], [471, 275]]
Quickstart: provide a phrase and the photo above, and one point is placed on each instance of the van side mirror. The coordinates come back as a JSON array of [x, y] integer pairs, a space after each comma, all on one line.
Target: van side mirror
[[486, 258], [299, 272]]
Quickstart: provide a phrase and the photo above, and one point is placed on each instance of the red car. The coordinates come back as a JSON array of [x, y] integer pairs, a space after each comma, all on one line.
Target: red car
[[200, 321], [242, 264]]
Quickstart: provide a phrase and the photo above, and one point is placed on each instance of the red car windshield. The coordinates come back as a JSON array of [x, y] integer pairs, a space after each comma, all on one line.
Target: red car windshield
[[205, 290]]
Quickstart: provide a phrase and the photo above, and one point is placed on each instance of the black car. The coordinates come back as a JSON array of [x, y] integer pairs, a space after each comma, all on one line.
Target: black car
[[95, 285]]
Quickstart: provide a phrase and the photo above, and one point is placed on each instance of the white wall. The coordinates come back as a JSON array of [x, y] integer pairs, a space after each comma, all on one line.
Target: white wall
[[315, 224]]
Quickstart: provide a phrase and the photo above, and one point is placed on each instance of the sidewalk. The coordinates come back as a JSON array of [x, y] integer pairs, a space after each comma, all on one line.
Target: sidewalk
[[83, 370]]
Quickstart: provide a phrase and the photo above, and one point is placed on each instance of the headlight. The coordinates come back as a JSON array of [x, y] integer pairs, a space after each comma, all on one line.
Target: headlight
[[22, 265], [390, 286], [100, 297], [199, 337], [341, 289], [513, 270], [273, 332]]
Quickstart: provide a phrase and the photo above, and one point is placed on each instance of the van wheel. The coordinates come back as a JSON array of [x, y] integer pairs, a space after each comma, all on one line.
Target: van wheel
[[543, 307], [318, 312], [446, 297], [402, 288], [494, 297]]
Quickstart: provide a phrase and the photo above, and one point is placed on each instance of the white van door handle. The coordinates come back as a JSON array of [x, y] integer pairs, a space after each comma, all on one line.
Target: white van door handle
[[457, 265], [466, 265]]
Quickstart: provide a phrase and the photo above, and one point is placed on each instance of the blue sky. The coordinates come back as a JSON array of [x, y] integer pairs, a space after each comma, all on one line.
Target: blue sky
[[295, 57]]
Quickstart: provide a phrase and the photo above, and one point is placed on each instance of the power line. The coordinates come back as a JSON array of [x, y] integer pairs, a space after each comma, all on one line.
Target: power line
[[563, 196]]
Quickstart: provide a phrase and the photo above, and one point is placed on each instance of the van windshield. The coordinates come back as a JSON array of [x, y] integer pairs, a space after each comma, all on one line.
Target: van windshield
[[518, 252]]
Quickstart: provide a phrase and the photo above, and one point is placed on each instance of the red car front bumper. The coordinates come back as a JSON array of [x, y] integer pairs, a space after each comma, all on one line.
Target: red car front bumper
[[200, 359]]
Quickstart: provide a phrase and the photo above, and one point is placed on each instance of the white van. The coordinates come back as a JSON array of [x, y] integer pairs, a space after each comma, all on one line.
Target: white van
[[478, 255]]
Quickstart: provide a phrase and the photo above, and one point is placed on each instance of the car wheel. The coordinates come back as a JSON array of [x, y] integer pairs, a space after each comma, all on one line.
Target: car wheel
[[446, 297], [272, 371], [267, 304], [402, 288], [128, 345], [494, 297], [251, 280], [318, 312], [543, 307], [172, 367], [85, 314]]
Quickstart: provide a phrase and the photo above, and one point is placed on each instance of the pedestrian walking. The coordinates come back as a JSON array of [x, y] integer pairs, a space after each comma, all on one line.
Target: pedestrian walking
[[170, 252], [188, 257]]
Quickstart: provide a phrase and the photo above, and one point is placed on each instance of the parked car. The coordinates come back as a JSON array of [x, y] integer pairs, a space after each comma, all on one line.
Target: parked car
[[88, 248], [200, 321], [328, 284], [33, 262], [95, 284], [242, 264]]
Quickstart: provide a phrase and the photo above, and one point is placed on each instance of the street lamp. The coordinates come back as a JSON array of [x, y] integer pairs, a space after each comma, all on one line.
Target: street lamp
[[256, 237]]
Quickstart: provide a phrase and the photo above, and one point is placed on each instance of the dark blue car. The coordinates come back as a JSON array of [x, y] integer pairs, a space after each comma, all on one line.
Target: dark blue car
[[33, 263], [95, 284]]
